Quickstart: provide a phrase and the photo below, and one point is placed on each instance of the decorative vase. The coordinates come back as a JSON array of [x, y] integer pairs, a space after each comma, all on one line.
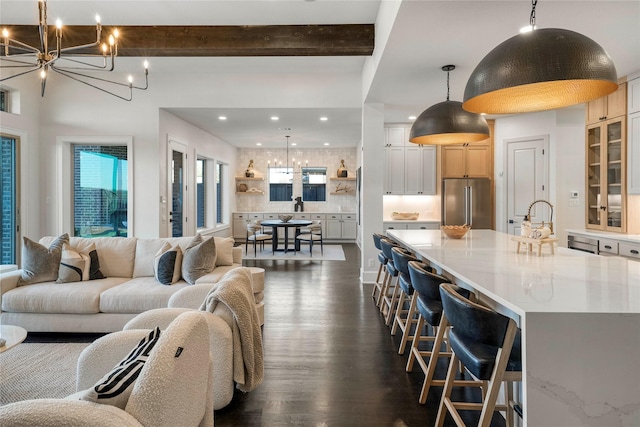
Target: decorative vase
[[342, 170]]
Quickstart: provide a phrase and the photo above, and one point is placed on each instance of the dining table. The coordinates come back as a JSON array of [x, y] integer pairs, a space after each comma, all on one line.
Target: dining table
[[296, 224]]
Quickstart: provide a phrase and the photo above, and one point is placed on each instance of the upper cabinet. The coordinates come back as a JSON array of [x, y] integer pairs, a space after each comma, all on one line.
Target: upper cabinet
[[474, 160], [408, 168], [633, 137], [608, 107]]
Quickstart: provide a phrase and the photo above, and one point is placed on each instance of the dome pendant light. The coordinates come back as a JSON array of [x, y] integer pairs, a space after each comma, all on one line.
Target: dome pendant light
[[447, 123], [540, 70]]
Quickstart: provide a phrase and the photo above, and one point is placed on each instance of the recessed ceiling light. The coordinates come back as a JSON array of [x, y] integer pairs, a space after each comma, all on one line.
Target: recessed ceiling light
[[326, 143], [293, 143], [412, 117], [222, 117], [274, 118], [258, 143], [324, 119]]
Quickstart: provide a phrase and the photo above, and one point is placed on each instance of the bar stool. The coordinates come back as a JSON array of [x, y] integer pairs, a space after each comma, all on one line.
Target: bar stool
[[426, 284], [489, 346], [402, 317], [390, 286], [389, 271], [377, 287]]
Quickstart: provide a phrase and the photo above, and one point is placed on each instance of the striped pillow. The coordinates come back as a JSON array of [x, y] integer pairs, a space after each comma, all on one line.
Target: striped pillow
[[116, 386]]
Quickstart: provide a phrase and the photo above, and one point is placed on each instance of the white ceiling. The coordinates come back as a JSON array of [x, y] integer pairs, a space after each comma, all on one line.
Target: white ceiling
[[425, 36]]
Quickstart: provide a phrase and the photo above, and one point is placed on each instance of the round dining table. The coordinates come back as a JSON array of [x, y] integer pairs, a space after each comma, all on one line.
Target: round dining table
[[292, 223]]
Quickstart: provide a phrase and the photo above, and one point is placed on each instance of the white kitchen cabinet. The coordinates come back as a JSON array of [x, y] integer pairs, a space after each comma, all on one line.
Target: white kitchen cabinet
[[413, 225], [408, 168], [633, 96], [633, 153], [393, 170], [240, 226], [341, 226], [420, 169]]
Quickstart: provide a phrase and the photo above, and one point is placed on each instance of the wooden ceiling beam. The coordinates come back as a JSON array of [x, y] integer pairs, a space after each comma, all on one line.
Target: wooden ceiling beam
[[249, 40]]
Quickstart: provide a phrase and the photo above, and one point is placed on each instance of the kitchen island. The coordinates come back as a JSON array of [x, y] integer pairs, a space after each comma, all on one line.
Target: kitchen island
[[580, 320]]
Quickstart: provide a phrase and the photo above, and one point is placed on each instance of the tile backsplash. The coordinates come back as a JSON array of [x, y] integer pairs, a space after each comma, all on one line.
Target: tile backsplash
[[317, 157]]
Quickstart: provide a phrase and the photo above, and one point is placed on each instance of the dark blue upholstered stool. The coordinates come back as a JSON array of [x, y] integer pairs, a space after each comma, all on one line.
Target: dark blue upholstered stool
[[488, 345], [390, 275], [402, 317], [382, 260]]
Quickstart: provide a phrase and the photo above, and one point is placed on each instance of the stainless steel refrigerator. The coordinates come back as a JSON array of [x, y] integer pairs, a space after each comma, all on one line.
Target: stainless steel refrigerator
[[466, 201]]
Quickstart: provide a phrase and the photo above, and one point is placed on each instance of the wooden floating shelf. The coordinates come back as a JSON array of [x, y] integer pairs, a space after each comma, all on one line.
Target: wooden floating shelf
[[342, 179], [253, 193], [345, 193], [242, 178]]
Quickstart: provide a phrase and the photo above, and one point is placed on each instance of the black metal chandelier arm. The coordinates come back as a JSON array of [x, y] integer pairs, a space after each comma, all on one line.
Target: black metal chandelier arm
[[15, 44], [70, 75], [35, 68], [95, 67]]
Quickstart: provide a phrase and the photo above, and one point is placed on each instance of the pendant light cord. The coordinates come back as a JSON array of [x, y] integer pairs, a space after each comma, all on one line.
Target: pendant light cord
[[447, 85], [532, 18]]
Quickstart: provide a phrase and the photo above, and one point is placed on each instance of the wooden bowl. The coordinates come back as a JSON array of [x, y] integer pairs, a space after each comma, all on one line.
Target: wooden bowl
[[285, 218], [405, 215], [455, 231]]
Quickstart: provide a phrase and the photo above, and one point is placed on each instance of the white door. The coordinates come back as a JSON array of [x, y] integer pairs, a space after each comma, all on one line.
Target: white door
[[527, 176], [177, 188]]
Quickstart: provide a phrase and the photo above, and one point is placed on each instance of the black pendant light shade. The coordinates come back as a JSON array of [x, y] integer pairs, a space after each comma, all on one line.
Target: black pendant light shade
[[540, 70], [447, 123]]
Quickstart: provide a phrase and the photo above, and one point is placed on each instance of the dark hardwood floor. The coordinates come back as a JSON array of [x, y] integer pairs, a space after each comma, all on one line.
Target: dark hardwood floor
[[329, 358]]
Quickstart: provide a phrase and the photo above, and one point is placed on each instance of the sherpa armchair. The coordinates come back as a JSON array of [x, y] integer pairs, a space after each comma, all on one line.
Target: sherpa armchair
[[174, 386]]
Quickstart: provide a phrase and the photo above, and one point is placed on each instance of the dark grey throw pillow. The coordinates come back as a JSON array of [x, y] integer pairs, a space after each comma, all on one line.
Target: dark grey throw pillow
[[199, 259], [41, 264]]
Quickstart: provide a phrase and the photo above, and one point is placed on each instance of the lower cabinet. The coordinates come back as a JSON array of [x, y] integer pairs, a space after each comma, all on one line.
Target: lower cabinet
[[397, 225], [341, 226]]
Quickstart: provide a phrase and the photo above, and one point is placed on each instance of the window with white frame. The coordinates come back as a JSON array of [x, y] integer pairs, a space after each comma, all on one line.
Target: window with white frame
[[221, 177], [201, 192], [280, 184]]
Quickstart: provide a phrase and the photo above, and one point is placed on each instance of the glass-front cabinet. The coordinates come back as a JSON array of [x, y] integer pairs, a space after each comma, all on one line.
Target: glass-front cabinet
[[606, 175]]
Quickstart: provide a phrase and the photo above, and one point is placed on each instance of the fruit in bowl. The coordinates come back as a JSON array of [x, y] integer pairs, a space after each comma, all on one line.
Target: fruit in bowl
[[285, 218], [455, 231]]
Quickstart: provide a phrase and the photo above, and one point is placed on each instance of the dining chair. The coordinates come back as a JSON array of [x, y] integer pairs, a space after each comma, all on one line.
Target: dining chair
[[255, 235], [314, 234]]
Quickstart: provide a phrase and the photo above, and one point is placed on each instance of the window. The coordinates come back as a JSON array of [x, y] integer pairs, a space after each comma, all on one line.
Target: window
[[280, 184], [314, 184], [201, 193], [221, 176], [4, 100], [100, 190], [9, 218]]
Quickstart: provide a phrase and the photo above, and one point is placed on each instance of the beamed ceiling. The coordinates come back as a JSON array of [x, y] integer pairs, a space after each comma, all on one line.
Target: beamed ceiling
[[226, 40]]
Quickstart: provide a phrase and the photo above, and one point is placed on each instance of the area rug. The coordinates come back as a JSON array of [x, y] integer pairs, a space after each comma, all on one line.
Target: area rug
[[331, 253], [38, 370]]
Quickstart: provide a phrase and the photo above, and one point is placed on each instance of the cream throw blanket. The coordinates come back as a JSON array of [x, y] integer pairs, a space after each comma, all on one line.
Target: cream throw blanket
[[234, 290]]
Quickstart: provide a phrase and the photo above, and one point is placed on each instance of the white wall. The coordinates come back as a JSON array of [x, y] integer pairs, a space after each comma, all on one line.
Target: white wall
[[566, 162], [71, 109]]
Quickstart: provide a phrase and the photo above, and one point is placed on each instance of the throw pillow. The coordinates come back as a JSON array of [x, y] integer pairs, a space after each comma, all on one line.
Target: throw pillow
[[199, 259], [41, 264], [116, 386], [94, 271], [74, 266], [224, 250], [167, 264]]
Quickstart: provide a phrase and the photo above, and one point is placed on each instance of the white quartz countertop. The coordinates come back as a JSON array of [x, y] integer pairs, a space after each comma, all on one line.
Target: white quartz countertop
[[632, 238], [567, 282]]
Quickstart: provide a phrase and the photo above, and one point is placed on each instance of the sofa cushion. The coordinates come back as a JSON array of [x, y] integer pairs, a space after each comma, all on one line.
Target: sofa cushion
[[199, 259], [224, 251], [146, 250], [216, 274], [40, 263], [115, 387], [50, 297], [138, 295], [74, 266], [167, 264]]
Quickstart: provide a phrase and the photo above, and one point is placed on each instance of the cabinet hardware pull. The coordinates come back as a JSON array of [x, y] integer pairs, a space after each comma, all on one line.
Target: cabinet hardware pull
[[607, 247], [634, 251]]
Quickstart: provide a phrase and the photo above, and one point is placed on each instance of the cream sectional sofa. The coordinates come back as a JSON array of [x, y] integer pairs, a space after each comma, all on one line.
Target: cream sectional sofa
[[106, 305]]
